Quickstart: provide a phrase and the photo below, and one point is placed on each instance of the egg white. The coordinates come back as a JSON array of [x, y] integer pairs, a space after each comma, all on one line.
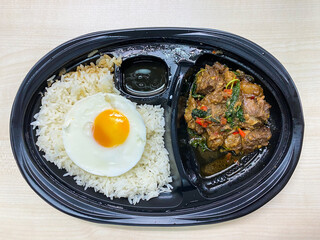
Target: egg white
[[81, 146]]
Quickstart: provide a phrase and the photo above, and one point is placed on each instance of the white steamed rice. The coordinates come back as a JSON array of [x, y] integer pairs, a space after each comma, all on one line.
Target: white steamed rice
[[147, 179]]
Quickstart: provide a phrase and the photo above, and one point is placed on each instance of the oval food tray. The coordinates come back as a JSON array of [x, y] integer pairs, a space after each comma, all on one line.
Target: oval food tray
[[181, 52]]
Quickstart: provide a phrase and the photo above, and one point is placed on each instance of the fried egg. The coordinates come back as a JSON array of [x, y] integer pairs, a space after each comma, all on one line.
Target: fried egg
[[104, 134]]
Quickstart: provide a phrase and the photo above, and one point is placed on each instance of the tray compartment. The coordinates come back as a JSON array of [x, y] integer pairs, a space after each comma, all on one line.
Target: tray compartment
[[236, 176], [143, 75]]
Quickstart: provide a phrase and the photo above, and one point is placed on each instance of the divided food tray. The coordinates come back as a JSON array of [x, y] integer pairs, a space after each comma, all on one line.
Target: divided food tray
[[177, 54]]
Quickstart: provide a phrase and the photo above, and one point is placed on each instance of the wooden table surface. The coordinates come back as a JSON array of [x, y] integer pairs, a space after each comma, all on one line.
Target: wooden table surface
[[290, 30]]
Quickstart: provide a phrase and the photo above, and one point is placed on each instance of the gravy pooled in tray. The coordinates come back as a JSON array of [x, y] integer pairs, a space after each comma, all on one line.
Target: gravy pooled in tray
[[227, 117]]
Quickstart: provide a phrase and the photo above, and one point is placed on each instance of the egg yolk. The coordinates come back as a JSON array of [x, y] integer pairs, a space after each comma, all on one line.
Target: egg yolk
[[110, 128]]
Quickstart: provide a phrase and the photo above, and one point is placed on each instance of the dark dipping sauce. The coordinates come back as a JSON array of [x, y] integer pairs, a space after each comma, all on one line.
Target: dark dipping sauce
[[144, 76]]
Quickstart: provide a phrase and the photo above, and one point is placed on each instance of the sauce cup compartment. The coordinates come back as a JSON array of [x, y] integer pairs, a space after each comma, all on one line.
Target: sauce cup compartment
[[143, 76]]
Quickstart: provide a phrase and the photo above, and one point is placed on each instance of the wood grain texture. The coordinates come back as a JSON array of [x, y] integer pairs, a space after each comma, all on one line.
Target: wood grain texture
[[290, 30]]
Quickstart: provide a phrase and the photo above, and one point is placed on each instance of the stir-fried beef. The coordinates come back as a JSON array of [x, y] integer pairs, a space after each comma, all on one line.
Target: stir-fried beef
[[228, 110], [249, 89], [256, 138]]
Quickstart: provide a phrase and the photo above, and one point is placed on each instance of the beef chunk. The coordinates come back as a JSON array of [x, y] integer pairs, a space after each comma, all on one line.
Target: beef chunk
[[192, 104], [257, 107], [251, 122], [248, 88], [214, 138], [214, 97], [233, 142], [256, 138], [207, 80], [213, 79]]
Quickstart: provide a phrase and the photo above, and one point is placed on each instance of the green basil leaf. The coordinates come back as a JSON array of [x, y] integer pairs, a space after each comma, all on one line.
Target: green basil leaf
[[198, 113]]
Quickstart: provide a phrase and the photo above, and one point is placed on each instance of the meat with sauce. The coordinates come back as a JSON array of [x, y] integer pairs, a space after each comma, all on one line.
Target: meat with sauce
[[228, 110]]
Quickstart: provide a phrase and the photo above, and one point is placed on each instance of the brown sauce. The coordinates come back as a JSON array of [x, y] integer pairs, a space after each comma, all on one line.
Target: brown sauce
[[212, 162]]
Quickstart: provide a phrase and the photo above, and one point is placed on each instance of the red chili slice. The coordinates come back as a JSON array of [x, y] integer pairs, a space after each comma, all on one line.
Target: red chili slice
[[202, 122], [228, 91], [204, 108], [223, 121], [242, 133]]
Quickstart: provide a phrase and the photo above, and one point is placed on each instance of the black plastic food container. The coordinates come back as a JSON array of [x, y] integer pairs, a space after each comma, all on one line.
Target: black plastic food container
[[175, 54]]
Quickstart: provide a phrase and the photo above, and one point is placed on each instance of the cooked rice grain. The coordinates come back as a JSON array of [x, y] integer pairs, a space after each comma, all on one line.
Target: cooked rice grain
[[149, 178]]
